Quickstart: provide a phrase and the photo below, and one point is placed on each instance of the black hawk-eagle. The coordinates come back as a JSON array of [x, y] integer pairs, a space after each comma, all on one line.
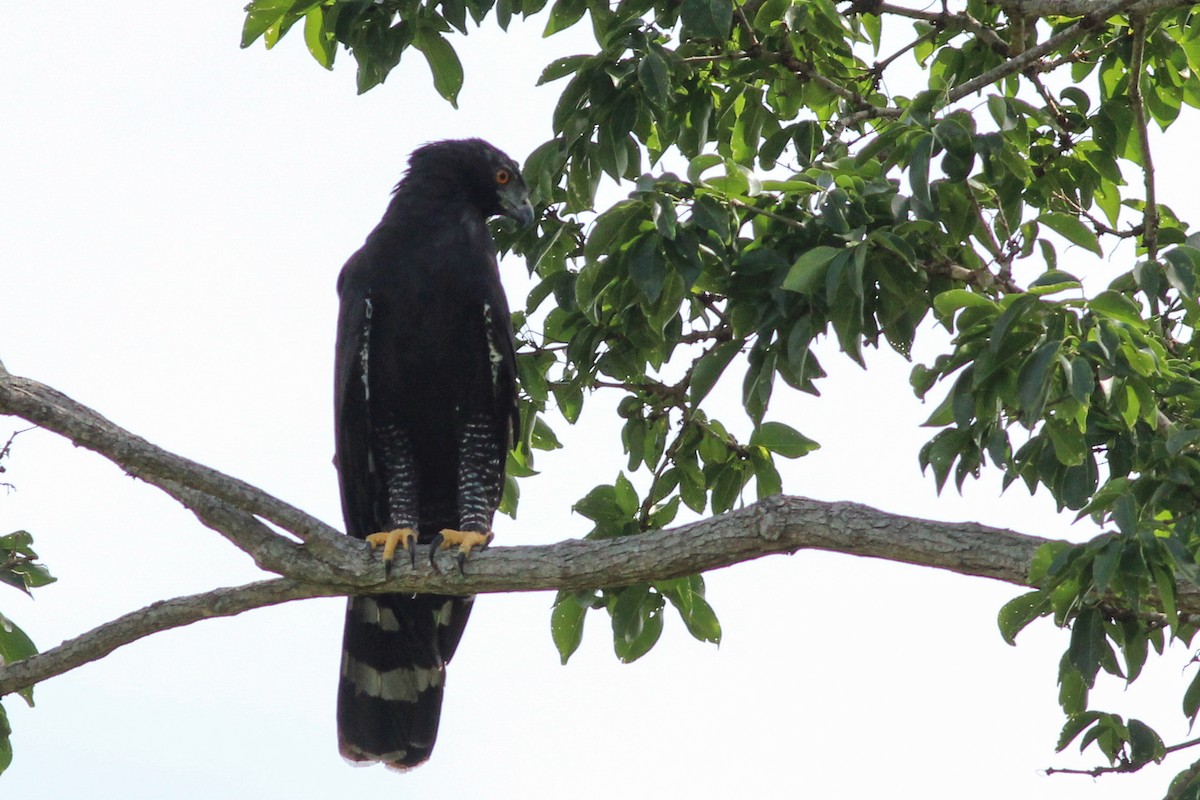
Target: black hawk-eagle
[[425, 412]]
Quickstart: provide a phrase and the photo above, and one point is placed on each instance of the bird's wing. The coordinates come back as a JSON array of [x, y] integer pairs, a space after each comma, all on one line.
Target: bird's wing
[[361, 483], [500, 339]]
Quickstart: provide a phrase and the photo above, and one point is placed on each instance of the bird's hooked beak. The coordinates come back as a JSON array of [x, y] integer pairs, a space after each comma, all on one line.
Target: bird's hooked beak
[[515, 203]]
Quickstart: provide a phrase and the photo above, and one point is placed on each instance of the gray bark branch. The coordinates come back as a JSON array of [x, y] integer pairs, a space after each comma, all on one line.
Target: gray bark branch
[[326, 563]]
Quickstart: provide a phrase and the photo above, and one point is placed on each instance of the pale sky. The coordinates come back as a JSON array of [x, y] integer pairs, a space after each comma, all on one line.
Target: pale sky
[[173, 214]]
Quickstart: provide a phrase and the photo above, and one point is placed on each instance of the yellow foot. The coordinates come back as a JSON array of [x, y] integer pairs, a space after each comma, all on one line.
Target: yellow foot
[[404, 538], [466, 541]]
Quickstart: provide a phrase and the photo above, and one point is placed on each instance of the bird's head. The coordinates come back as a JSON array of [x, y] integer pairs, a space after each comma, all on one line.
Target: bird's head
[[478, 171]]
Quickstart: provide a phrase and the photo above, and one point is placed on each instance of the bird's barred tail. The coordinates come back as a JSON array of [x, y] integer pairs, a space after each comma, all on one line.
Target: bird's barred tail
[[394, 654]]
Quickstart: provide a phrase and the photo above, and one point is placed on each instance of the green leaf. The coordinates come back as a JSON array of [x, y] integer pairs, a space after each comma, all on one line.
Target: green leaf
[[566, 621], [769, 483], [14, 644], [707, 370], [952, 300], [561, 68], [1019, 612], [1074, 726], [637, 621], [687, 596], [1088, 644], [1083, 382], [1164, 582], [1071, 229], [261, 16], [1145, 745], [6, 753], [1191, 699], [706, 19], [443, 63], [918, 174], [1115, 305], [625, 495], [782, 439], [1034, 381], [808, 272], [647, 268], [321, 44], [700, 164], [599, 505], [563, 15], [543, 436], [1181, 269], [655, 78], [726, 487]]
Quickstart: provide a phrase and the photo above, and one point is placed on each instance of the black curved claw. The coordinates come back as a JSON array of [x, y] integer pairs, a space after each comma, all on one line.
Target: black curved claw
[[412, 553], [434, 546], [462, 556]]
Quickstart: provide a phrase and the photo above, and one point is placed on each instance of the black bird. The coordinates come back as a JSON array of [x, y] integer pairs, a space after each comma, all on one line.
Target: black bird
[[426, 411]]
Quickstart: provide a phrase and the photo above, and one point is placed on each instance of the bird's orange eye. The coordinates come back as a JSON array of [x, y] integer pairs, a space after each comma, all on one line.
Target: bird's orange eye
[[503, 176]]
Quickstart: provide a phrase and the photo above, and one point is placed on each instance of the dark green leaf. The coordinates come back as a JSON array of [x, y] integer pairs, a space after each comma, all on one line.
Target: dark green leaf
[[1082, 380], [1019, 612], [443, 63], [6, 753], [1071, 229], [1145, 745], [563, 15], [1088, 643], [566, 622], [783, 439], [647, 268], [1115, 305], [918, 174], [808, 272], [687, 595], [561, 68], [1074, 726], [1181, 269], [1034, 380], [655, 78], [706, 19], [1191, 698], [709, 368], [625, 495]]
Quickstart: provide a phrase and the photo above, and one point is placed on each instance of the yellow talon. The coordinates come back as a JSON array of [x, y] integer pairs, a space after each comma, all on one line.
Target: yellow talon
[[466, 540], [404, 538]]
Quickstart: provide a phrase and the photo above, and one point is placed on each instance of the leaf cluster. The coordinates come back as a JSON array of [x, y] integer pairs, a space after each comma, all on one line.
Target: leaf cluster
[[19, 569], [785, 185]]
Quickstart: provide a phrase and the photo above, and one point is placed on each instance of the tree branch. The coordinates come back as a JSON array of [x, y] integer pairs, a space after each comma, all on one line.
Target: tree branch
[[157, 617], [346, 566], [1079, 8], [1094, 16], [50, 409]]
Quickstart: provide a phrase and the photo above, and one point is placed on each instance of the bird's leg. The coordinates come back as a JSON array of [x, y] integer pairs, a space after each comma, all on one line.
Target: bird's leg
[[404, 538], [481, 453], [401, 470], [466, 541]]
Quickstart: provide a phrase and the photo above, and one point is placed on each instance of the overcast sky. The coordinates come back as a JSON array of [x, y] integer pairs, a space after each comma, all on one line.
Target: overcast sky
[[173, 214]]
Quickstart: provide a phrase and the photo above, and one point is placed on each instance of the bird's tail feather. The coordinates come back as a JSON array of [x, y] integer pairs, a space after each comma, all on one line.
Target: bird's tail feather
[[394, 654]]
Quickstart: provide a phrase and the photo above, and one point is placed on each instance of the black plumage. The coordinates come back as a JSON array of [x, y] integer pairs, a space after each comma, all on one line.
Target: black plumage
[[425, 408]]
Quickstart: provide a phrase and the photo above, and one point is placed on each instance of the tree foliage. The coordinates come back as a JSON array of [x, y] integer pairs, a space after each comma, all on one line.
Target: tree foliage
[[855, 170]]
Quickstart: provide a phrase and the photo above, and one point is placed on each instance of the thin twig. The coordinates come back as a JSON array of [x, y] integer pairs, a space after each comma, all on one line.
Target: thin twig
[[161, 616], [1138, 104]]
